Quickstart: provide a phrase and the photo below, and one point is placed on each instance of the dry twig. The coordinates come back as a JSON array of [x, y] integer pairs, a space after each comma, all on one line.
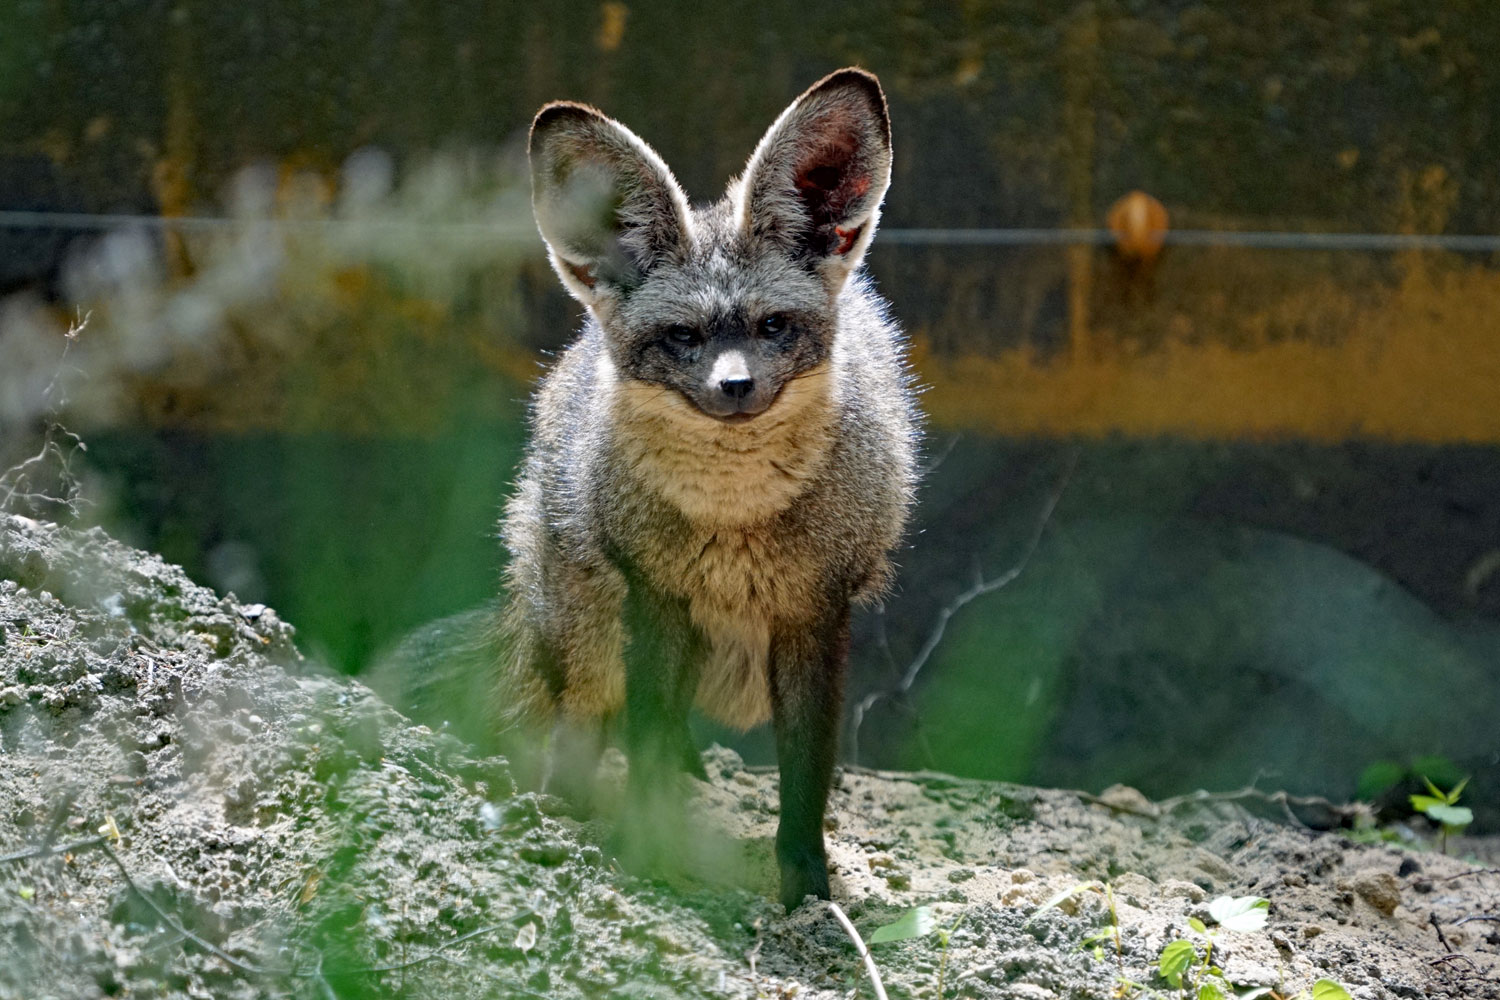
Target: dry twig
[[59, 446], [49, 850], [1477, 871], [859, 944], [1339, 814], [979, 588], [1433, 920]]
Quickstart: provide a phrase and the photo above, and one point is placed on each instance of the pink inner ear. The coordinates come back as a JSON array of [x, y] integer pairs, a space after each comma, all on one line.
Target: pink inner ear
[[847, 237], [826, 162], [831, 184], [582, 272]]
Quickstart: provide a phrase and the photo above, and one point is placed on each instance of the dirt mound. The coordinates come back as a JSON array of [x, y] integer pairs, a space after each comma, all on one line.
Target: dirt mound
[[188, 809]]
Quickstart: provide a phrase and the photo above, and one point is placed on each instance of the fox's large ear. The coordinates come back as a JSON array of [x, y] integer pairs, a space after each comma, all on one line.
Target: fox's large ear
[[606, 204], [815, 182]]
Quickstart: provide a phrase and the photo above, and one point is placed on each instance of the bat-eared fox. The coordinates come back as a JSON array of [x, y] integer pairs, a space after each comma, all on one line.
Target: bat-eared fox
[[720, 464]]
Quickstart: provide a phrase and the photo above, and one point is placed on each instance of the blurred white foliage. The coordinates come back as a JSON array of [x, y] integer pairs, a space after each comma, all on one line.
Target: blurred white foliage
[[267, 266]]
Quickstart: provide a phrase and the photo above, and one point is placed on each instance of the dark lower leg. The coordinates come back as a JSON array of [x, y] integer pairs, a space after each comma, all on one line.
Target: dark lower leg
[[661, 662], [807, 681]]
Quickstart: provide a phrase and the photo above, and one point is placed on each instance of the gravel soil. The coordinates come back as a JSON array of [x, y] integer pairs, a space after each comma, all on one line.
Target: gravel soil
[[188, 809]]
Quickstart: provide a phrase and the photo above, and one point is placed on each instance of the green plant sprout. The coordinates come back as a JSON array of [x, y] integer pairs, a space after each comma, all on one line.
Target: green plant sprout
[[1443, 808], [1324, 989], [918, 922], [1179, 964], [1182, 967], [944, 935], [1110, 932]]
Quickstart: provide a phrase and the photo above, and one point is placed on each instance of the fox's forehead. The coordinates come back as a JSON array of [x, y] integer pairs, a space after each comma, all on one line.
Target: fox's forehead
[[724, 272]]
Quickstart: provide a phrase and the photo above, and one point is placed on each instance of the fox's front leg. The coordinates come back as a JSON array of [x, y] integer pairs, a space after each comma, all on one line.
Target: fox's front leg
[[807, 692], [662, 655], [574, 750]]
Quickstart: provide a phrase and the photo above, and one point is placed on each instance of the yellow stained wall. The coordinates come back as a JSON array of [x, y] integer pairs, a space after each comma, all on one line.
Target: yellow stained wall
[[1420, 364]]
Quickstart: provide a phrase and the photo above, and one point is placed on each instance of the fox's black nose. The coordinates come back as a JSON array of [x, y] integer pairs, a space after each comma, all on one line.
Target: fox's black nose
[[737, 388]]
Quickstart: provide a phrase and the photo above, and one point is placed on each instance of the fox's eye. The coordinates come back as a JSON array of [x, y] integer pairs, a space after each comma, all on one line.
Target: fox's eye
[[685, 336], [773, 325]]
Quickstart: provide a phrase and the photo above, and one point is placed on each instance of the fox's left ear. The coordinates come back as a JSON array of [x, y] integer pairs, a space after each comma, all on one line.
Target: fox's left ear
[[606, 204], [814, 183]]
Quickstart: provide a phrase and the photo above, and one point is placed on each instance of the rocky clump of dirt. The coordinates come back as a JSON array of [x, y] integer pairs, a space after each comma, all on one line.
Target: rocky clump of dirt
[[187, 809]]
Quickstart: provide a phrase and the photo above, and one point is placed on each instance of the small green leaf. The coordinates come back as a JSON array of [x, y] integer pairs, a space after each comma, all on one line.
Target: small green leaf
[[1451, 815], [1240, 913], [1176, 958], [1210, 991], [26, 892], [1197, 925], [1422, 803], [1065, 894], [913, 923], [1431, 787], [1327, 989], [1456, 791]]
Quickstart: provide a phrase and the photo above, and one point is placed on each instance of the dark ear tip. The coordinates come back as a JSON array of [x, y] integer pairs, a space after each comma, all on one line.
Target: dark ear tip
[[562, 113], [852, 78], [861, 81], [851, 75]]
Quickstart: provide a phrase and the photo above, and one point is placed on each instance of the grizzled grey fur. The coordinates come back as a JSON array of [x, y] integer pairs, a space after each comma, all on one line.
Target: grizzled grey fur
[[720, 465]]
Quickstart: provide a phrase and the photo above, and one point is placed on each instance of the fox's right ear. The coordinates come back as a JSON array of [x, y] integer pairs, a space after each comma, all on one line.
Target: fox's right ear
[[814, 184], [606, 204]]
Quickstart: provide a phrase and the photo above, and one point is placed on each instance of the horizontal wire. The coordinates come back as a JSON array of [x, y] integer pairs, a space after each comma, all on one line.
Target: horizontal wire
[[209, 223], [1196, 237], [1259, 239]]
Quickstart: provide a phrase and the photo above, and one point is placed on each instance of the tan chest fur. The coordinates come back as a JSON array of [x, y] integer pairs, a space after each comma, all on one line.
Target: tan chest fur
[[726, 474], [739, 584], [738, 576]]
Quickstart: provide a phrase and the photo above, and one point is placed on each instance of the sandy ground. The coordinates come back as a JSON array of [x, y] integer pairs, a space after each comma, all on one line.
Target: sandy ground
[[187, 809]]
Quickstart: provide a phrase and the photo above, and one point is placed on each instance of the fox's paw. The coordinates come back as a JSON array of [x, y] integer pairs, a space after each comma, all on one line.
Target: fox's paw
[[803, 873], [649, 838]]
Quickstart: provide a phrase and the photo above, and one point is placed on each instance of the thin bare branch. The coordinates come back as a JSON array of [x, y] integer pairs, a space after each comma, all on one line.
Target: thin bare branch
[[249, 968], [59, 446], [437, 952], [936, 461], [979, 588], [1343, 812], [1477, 871], [178, 928]]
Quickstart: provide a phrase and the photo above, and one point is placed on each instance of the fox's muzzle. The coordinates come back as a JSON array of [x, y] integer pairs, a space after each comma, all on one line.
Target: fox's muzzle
[[731, 391]]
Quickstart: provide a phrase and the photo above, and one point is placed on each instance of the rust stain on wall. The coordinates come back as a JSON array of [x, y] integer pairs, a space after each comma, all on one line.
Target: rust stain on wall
[[1421, 364]]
